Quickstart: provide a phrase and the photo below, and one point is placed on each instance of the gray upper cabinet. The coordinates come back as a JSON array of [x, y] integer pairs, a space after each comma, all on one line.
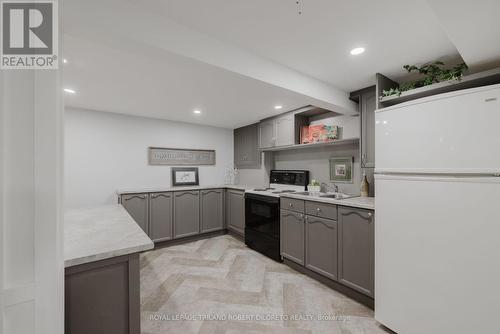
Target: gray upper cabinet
[[285, 130], [235, 210], [278, 131], [292, 236], [246, 147], [267, 133], [137, 206], [321, 246], [212, 210], [367, 107], [186, 213], [356, 249], [160, 216]]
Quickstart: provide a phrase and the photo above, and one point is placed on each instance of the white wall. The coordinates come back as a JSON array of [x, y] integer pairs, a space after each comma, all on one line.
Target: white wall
[[105, 152]]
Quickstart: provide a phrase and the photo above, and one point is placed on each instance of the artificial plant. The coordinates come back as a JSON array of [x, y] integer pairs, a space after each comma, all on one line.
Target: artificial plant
[[431, 72]]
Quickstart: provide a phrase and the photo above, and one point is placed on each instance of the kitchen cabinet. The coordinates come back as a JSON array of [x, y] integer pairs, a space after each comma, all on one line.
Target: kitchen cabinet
[[322, 210], [212, 210], [186, 213], [367, 104], [278, 131], [292, 236], [267, 133], [103, 297], [356, 249], [321, 246], [292, 204], [367, 107], [160, 216], [246, 147], [235, 211], [285, 130], [137, 206]]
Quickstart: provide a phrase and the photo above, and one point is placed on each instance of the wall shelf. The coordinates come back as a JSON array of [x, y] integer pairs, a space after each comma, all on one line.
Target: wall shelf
[[470, 81], [338, 142]]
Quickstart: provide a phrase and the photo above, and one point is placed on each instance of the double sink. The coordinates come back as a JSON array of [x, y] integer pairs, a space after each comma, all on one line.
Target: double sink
[[324, 195]]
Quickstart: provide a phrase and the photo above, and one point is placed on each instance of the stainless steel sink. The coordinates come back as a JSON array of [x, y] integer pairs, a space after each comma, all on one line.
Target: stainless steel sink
[[324, 195], [335, 196]]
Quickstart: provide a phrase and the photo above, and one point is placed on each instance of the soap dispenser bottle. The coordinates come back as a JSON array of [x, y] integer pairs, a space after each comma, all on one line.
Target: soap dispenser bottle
[[365, 186]]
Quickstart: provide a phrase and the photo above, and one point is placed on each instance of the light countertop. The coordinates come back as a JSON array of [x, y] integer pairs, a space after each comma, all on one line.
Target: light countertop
[[355, 202], [98, 233], [185, 188]]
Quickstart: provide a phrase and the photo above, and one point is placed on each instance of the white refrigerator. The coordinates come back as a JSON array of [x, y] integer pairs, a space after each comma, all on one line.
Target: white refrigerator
[[437, 214]]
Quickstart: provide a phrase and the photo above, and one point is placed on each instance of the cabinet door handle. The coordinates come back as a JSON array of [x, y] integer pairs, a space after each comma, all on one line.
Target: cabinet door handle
[[290, 205], [370, 214], [318, 209]]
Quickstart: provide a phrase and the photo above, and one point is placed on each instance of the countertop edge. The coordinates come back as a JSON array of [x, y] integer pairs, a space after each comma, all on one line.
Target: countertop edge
[[101, 232], [187, 188], [348, 202], [107, 255]]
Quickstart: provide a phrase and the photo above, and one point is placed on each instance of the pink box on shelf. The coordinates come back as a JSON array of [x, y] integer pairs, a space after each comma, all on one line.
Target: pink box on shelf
[[318, 133]]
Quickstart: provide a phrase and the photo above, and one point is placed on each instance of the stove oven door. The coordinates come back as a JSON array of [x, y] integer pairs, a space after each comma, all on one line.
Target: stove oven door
[[262, 224]]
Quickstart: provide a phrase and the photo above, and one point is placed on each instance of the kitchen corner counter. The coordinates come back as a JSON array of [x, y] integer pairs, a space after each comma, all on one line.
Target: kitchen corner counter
[[355, 202], [98, 233], [182, 188]]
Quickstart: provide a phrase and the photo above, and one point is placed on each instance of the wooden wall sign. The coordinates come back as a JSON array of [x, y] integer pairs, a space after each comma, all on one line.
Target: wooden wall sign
[[180, 157]]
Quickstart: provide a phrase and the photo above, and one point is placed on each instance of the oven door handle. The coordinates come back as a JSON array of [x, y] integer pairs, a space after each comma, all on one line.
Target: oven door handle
[[265, 199]]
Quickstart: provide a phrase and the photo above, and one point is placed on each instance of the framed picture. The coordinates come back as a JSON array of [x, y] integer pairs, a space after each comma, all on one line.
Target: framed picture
[[341, 169], [185, 176]]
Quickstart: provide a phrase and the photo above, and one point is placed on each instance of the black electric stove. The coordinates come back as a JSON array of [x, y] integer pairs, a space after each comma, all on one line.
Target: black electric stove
[[262, 211]]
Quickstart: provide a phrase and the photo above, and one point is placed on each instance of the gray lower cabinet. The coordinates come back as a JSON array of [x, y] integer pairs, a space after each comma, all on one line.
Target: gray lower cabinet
[[103, 297], [235, 211], [292, 236], [137, 206], [160, 216], [246, 147], [321, 246], [186, 213], [212, 210], [356, 249]]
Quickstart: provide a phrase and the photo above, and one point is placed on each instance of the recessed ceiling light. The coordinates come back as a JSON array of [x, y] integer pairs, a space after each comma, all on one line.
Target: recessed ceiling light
[[197, 111], [70, 91], [357, 51], [278, 107], [65, 61]]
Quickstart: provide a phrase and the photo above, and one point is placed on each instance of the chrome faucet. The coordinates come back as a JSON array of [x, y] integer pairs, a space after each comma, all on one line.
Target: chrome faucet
[[328, 188]]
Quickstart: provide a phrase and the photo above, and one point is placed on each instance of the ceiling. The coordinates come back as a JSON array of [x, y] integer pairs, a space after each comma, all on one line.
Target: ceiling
[[473, 28], [317, 42], [236, 59], [167, 86]]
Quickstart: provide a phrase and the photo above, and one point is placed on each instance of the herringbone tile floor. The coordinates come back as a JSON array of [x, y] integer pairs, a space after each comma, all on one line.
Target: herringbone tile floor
[[184, 289]]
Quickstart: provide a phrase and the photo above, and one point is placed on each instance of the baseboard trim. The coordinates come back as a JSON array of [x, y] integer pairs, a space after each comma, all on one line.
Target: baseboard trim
[[359, 297], [191, 238], [237, 235]]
